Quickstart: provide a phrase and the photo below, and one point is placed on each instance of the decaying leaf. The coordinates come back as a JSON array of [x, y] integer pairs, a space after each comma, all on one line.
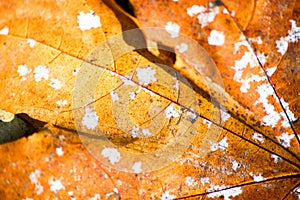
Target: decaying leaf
[[124, 122]]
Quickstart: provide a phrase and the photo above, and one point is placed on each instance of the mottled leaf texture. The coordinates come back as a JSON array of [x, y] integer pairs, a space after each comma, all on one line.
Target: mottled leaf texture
[[230, 126]]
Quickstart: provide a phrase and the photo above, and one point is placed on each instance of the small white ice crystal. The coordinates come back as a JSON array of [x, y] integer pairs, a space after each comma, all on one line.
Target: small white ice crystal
[[270, 71], [221, 145], [258, 137], [224, 115], [23, 70], [216, 38], [208, 16], [293, 36], [167, 196], [89, 20], [135, 131], [294, 33], [34, 178], [182, 47], [257, 178], [282, 45], [227, 193], [137, 167], [204, 180], [62, 102], [114, 96], [95, 197], [285, 139], [173, 29], [195, 9], [146, 75], [170, 111], [276, 158], [208, 123], [56, 185], [31, 42], [235, 165], [90, 118], [262, 57], [41, 72], [112, 154], [55, 83], [4, 31], [59, 151], [146, 132], [266, 91], [189, 181]]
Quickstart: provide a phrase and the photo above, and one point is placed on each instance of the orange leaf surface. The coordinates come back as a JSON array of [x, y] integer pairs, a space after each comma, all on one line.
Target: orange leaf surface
[[126, 123]]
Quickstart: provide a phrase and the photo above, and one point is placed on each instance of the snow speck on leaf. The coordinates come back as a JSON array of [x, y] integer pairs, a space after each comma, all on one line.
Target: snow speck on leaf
[[112, 154], [89, 20], [90, 118]]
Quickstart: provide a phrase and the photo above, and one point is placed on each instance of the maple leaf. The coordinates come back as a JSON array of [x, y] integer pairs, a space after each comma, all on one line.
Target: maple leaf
[[247, 49], [122, 123]]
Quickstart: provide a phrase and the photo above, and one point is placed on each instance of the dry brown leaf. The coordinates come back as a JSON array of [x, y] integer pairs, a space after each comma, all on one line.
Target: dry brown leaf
[[42, 47]]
